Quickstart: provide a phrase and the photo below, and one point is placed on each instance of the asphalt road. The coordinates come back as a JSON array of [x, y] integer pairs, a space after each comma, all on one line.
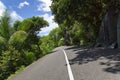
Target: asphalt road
[[86, 64]]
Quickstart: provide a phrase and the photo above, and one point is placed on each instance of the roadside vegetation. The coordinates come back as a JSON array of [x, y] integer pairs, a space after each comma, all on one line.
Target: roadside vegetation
[[80, 20], [19, 44], [79, 23]]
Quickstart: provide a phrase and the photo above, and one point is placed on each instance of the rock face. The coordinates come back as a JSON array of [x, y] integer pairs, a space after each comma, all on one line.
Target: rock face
[[118, 31], [108, 29]]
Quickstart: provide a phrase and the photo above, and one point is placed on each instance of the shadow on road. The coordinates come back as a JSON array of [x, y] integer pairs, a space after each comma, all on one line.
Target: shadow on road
[[88, 55], [75, 48], [114, 69]]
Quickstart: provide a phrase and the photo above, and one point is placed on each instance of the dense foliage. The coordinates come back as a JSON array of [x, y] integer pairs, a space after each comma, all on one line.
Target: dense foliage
[[54, 39], [19, 44], [87, 13], [79, 22]]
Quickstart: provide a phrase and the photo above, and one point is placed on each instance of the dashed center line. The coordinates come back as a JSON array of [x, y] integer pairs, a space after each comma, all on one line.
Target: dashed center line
[[68, 67]]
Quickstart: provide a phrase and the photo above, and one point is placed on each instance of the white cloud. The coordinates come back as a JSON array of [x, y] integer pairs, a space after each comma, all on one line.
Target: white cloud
[[22, 4], [2, 8], [52, 24], [44, 5], [15, 16]]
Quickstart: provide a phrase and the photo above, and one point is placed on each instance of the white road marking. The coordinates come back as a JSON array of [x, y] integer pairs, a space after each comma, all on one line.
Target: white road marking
[[68, 67]]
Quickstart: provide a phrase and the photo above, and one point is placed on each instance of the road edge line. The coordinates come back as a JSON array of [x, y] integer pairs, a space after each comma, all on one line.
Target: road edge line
[[68, 67]]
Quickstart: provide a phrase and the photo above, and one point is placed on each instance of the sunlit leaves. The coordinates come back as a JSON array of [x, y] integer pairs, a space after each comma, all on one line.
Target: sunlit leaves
[[5, 25], [33, 25], [18, 37], [19, 44]]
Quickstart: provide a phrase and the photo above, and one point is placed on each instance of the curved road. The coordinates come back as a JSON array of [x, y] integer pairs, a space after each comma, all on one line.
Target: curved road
[[85, 65]]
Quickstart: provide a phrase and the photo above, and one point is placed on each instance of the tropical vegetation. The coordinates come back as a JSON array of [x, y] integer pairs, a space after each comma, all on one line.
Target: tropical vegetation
[[79, 23]]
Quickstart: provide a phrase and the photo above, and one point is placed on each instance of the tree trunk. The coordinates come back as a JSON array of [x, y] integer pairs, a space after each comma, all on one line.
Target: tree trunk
[[67, 38]]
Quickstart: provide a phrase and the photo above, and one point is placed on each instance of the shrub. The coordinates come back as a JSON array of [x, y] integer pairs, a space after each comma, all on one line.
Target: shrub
[[29, 57]]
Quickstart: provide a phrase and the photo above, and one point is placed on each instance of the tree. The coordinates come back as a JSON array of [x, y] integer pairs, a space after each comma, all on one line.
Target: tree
[[10, 58], [32, 26], [89, 13], [18, 39], [5, 26], [51, 41], [2, 44], [56, 35], [16, 25], [19, 45]]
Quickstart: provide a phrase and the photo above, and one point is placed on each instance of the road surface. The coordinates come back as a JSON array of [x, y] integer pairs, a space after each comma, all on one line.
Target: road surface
[[85, 64]]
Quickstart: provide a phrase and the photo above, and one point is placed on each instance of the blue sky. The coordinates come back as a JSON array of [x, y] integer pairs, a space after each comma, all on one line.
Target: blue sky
[[21, 9]]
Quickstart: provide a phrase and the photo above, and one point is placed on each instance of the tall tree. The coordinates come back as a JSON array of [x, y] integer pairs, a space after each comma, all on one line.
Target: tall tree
[[32, 26], [89, 13], [5, 26]]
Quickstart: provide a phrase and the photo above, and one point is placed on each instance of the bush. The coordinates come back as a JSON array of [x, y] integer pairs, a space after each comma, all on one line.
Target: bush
[[10, 62], [2, 43], [18, 39], [29, 57]]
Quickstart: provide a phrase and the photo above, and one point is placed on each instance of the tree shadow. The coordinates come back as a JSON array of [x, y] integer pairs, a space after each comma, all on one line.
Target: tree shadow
[[113, 69], [73, 47], [93, 54], [76, 48]]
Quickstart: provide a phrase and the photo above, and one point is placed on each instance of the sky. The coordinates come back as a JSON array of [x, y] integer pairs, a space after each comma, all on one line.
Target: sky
[[22, 9]]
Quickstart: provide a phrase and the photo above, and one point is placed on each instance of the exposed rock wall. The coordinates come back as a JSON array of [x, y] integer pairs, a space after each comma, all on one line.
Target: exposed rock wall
[[108, 29], [118, 31]]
